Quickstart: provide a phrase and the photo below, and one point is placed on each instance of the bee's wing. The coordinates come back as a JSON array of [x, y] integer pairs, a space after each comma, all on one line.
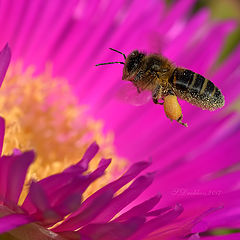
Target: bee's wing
[[128, 93]]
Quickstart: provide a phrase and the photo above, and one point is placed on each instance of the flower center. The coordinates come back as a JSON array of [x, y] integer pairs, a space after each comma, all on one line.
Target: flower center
[[41, 113]]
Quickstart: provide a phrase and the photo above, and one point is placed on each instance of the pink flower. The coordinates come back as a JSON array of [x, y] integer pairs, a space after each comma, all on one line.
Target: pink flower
[[50, 200], [58, 199], [195, 169]]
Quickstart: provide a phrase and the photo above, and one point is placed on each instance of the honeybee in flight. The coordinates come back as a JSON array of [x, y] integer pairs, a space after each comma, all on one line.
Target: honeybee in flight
[[166, 82]]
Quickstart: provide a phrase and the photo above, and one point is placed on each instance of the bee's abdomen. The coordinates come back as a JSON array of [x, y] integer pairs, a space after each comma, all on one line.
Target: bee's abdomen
[[196, 89]]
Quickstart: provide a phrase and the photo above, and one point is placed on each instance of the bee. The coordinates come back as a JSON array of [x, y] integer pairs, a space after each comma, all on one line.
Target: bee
[[167, 82]]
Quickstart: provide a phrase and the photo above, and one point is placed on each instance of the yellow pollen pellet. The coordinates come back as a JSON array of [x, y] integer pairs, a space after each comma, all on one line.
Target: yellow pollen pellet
[[172, 109]]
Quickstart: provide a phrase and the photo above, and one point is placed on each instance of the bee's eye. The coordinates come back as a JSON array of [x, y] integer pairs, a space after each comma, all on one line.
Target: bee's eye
[[134, 61], [132, 65]]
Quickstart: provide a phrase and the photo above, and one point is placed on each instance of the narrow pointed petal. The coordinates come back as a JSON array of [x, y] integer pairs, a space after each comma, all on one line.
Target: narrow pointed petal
[[38, 197], [114, 186], [125, 198], [16, 175], [141, 209], [158, 212], [61, 181], [200, 227], [103, 165], [157, 223], [113, 230], [5, 56], [82, 165], [228, 67], [5, 164], [7, 223], [2, 132], [78, 185], [198, 20], [44, 212], [176, 12], [194, 237], [88, 214], [70, 204]]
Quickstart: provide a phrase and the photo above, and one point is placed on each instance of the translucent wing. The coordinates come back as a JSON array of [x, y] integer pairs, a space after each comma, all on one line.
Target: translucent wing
[[128, 93]]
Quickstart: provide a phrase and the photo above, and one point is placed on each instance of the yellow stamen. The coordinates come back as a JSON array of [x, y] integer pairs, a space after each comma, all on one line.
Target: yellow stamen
[[41, 113]]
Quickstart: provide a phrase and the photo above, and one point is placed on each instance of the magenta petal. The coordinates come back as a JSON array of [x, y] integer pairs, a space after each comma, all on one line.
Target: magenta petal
[[227, 217], [132, 172], [44, 212], [199, 19], [16, 175], [58, 186], [78, 185], [125, 198], [5, 164], [9, 222], [54, 182], [194, 237], [228, 67], [88, 214], [70, 204], [200, 227], [175, 13], [66, 182], [28, 204], [61, 181], [113, 230], [38, 197], [158, 212], [104, 163], [140, 210], [157, 223], [87, 157], [2, 132], [5, 56]]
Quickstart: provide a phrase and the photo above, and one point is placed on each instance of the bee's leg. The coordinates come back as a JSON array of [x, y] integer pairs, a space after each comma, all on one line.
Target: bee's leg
[[180, 121], [138, 89], [156, 94]]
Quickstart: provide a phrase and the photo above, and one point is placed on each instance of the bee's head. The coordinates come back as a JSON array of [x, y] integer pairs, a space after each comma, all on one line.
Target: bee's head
[[133, 62]]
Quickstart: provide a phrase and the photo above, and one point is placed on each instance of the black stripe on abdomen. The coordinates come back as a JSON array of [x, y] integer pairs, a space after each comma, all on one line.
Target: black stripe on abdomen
[[182, 78], [189, 81], [210, 88], [198, 83], [196, 89]]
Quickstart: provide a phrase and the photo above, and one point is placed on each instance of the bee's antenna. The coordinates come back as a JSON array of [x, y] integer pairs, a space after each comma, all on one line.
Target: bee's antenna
[[109, 63], [118, 52]]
